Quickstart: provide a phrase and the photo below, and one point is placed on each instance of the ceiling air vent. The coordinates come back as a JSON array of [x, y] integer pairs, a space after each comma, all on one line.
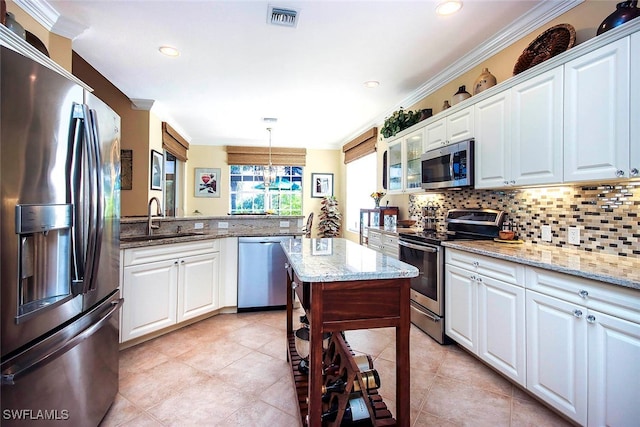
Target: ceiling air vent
[[282, 16]]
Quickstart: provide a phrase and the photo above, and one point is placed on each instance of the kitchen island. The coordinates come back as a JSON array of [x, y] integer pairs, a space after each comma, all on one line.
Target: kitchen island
[[344, 286]]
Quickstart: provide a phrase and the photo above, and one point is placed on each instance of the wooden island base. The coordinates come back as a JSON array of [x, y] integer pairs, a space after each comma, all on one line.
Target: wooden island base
[[383, 417]]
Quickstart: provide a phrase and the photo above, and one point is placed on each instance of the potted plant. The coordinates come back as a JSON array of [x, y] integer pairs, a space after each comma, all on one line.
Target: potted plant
[[401, 120], [330, 218]]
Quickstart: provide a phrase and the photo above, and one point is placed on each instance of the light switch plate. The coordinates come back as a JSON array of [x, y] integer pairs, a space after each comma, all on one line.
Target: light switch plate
[[284, 224], [198, 226], [546, 233], [223, 224], [574, 235]]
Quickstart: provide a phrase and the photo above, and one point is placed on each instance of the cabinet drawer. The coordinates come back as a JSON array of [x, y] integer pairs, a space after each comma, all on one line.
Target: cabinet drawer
[[375, 238], [506, 271], [135, 256], [610, 299], [388, 240]]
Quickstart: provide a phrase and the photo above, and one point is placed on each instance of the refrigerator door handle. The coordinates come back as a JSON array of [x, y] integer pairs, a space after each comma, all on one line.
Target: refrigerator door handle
[[15, 371], [85, 184], [97, 207]]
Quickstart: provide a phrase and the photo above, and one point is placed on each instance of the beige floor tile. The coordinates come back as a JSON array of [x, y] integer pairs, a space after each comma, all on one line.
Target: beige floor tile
[[462, 404], [206, 403], [461, 366], [528, 413], [238, 376]]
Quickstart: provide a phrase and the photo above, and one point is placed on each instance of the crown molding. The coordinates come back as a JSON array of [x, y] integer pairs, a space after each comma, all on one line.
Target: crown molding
[[142, 104], [49, 18], [535, 18]]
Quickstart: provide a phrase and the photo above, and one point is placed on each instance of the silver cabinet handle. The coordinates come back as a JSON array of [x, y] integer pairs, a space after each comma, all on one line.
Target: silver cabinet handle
[[473, 277], [577, 313], [286, 265], [294, 285], [619, 173], [479, 279], [583, 293], [175, 263], [476, 263], [512, 182], [591, 318], [633, 172]]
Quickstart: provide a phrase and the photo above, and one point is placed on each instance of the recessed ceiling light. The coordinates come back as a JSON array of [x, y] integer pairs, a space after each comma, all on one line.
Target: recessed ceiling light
[[448, 7], [169, 51], [371, 83]]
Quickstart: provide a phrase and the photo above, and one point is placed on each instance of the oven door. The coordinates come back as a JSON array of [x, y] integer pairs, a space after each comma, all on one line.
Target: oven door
[[427, 287]]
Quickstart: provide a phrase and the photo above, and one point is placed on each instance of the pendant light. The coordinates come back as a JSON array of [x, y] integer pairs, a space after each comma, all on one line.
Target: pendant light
[[269, 171]]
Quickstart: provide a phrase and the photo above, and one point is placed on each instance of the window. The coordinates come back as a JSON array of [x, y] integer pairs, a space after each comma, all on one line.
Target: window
[[361, 182], [248, 194], [173, 168]]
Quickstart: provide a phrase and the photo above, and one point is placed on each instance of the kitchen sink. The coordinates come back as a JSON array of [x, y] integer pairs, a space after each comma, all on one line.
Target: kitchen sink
[[157, 237]]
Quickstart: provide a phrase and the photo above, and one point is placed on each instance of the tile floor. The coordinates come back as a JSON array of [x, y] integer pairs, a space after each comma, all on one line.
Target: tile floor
[[231, 370]]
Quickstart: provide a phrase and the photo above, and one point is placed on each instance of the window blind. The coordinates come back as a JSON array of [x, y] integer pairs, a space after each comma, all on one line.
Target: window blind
[[174, 143], [360, 146], [238, 155]]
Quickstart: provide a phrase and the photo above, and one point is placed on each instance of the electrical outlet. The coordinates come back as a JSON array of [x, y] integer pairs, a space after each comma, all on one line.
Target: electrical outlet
[[198, 226], [223, 224], [546, 233], [284, 224], [574, 235]]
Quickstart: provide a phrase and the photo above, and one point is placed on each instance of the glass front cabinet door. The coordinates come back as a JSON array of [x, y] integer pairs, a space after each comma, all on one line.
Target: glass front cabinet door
[[404, 163]]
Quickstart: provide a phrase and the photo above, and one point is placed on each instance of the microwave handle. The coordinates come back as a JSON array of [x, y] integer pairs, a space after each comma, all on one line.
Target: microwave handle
[[451, 166]]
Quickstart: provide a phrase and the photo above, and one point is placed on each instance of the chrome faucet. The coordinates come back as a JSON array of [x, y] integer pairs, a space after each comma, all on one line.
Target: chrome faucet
[[150, 225]]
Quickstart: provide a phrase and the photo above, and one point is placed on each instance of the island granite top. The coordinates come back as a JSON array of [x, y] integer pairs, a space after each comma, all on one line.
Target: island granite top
[[339, 260], [612, 269]]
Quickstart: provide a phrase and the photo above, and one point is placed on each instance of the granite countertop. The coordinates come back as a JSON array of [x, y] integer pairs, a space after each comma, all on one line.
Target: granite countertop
[[337, 260], [394, 231], [210, 234], [612, 269], [144, 218]]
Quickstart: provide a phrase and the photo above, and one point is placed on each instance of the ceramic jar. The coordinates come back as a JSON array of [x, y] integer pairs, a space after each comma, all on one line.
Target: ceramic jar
[[484, 81], [460, 95], [14, 26], [625, 11], [446, 105]]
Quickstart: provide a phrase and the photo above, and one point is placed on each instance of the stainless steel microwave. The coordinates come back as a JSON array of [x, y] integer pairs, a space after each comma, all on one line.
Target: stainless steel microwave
[[448, 167]]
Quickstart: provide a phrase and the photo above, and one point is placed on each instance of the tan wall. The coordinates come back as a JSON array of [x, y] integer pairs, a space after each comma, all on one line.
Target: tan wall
[[585, 18], [59, 47], [135, 135], [204, 156]]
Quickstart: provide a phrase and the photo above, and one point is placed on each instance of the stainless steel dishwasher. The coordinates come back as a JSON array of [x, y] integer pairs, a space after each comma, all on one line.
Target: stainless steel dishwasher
[[262, 278]]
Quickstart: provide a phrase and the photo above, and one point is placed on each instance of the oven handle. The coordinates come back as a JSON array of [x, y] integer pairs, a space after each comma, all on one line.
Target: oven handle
[[418, 247], [427, 313]]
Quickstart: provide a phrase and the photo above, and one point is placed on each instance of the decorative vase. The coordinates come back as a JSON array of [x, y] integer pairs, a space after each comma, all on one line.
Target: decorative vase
[[14, 26], [460, 95], [446, 105], [425, 113], [625, 11], [484, 81], [377, 202]]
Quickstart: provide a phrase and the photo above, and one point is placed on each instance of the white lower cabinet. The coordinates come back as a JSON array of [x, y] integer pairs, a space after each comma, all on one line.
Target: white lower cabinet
[[572, 342], [557, 354], [583, 347], [168, 284], [383, 242], [484, 313]]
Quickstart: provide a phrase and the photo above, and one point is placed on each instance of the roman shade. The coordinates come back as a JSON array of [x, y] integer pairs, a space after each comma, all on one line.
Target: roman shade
[[360, 146], [237, 155], [174, 143]]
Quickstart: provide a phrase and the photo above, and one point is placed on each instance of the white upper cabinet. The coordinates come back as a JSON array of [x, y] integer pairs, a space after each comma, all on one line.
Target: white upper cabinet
[[455, 127], [519, 134], [634, 155], [405, 168], [596, 133], [536, 130], [492, 147]]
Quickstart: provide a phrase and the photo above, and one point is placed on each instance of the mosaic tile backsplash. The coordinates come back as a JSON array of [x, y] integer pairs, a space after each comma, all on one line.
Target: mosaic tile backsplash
[[607, 214]]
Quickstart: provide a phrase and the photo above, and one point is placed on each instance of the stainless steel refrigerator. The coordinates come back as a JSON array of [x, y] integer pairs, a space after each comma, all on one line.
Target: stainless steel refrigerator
[[59, 225]]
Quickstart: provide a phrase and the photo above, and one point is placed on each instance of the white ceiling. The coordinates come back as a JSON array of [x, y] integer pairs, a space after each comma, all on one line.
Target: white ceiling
[[235, 69]]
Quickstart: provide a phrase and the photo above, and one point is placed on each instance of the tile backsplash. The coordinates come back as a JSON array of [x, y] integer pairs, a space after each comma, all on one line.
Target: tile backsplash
[[607, 214]]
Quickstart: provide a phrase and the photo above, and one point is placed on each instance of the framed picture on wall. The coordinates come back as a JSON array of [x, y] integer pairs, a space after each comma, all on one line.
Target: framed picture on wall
[[321, 184], [207, 182], [156, 170]]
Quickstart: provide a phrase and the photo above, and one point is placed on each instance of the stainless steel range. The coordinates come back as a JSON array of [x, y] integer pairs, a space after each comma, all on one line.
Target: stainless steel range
[[424, 250]]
